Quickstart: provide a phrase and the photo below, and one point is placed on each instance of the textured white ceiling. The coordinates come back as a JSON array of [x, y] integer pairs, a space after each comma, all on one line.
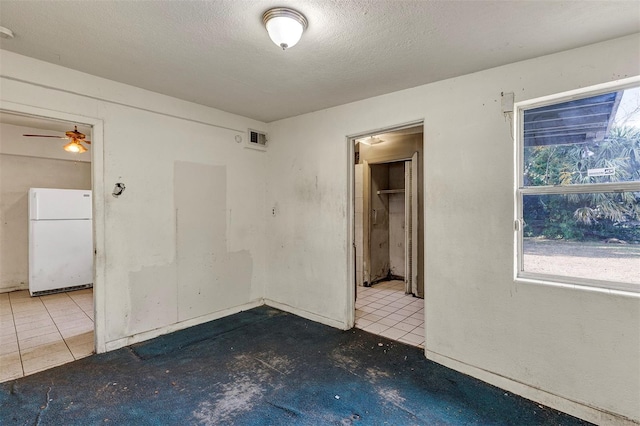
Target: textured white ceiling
[[217, 53]]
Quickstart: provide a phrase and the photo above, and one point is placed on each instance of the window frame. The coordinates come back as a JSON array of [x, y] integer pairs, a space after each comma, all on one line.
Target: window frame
[[520, 275]]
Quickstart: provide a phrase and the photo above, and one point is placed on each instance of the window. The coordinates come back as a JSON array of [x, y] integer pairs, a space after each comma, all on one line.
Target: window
[[578, 189]]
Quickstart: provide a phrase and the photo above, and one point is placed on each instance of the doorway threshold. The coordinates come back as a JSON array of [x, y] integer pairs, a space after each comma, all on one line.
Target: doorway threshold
[[385, 310]]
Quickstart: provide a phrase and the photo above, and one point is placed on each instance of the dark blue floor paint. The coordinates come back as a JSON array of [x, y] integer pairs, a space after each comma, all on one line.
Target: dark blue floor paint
[[264, 367]]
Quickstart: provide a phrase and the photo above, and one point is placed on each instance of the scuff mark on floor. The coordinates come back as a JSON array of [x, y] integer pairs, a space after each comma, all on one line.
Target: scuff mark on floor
[[237, 398], [355, 367], [278, 362], [268, 366], [339, 359], [251, 375], [392, 396], [290, 411], [374, 374]]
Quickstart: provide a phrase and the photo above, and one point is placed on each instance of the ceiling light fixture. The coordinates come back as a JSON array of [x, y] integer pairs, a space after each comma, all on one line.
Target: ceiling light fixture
[[371, 140], [75, 146], [285, 26], [6, 33]]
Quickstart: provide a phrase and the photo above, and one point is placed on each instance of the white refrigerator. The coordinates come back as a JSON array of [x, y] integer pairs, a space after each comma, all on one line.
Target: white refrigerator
[[60, 240]]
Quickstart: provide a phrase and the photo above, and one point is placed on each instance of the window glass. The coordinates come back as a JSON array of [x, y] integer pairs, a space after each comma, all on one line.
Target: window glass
[[579, 191], [588, 235], [584, 141]]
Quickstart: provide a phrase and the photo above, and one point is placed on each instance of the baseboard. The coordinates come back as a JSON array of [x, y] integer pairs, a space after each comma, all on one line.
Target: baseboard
[[18, 287], [577, 409], [141, 337], [306, 314]]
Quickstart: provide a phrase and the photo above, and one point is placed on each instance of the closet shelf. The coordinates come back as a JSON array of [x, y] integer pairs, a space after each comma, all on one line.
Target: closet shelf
[[391, 191]]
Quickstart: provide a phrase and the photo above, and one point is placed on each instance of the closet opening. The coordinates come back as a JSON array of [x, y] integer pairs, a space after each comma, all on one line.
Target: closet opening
[[388, 233]]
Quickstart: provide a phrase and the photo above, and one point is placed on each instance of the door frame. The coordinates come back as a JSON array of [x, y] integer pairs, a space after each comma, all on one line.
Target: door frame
[[350, 289], [98, 199]]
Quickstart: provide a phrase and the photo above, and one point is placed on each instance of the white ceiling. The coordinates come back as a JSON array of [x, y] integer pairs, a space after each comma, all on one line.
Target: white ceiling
[[217, 53]]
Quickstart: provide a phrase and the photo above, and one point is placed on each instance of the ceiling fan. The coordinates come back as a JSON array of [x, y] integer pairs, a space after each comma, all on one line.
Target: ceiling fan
[[75, 138]]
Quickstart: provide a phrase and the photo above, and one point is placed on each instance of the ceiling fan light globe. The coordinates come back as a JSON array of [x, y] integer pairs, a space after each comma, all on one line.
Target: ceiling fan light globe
[[285, 26], [75, 147], [71, 147], [284, 31]]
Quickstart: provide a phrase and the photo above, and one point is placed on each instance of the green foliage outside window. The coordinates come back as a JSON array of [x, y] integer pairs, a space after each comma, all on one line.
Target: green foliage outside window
[[586, 216]]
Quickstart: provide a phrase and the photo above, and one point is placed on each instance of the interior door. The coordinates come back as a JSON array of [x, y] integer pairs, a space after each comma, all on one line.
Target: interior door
[[411, 225], [414, 222], [364, 214]]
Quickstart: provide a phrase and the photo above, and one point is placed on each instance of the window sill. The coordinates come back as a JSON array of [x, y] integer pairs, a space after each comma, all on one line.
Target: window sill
[[606, 287]]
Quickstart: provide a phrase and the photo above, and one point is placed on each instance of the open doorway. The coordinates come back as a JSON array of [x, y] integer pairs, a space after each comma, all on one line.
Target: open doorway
[[46, 243], [388, 234]]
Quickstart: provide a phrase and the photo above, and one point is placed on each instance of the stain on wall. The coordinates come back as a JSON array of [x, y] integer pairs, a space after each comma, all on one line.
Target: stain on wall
[[154, 291]]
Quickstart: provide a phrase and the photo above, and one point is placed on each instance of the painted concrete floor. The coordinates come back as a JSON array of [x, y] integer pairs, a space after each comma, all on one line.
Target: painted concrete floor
[[37, 333], [264, 367], [386, 310]]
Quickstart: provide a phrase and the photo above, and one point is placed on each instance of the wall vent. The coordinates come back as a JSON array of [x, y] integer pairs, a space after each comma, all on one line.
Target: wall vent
[[257, 140], [60, 290]]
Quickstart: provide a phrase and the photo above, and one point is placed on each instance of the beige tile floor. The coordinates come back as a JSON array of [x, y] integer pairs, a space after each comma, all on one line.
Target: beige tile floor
[[37, 333], [385, 310]]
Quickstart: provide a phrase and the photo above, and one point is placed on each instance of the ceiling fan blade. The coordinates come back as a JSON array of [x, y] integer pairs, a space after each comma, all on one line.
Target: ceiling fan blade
[[46, 136], [89, 142]]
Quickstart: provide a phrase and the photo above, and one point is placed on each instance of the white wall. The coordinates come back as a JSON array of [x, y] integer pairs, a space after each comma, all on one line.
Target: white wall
[[29, 163], [185, 242], [568, 347]]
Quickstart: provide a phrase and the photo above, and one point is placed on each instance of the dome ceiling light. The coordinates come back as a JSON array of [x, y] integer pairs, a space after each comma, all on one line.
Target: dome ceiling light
[[285, 26], [6, 33]]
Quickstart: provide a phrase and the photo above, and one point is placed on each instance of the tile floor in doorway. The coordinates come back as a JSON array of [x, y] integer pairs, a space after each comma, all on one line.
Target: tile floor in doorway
[[385, 310], [37, 333]]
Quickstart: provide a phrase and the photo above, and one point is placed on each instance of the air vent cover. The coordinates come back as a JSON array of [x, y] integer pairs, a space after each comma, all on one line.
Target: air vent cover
[[257, 140]]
